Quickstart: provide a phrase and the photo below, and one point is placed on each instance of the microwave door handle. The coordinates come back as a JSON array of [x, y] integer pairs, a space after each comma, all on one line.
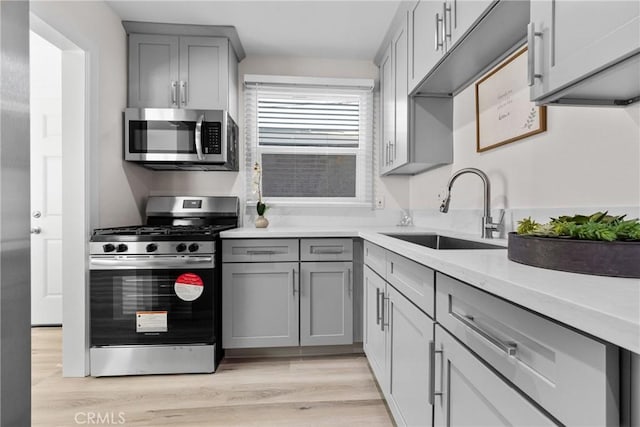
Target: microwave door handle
[[199, 137]]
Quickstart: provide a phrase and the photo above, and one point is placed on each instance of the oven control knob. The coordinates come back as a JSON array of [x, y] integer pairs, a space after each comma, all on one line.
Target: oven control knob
[[181, 247], [152, 247], [193, 247], [121, 248], [108, 247]]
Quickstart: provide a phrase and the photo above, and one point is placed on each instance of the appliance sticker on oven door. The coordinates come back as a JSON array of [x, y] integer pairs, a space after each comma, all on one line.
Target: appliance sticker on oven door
[[189, 286], [151, 321]]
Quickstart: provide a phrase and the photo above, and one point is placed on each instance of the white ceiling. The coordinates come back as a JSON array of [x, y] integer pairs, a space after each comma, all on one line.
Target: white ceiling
[[313, 28]]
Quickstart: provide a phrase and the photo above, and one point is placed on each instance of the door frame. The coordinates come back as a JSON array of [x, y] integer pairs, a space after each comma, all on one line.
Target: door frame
[[79, 196]]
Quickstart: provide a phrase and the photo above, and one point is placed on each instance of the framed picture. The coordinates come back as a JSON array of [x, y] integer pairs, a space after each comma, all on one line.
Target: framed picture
[[503, 111]]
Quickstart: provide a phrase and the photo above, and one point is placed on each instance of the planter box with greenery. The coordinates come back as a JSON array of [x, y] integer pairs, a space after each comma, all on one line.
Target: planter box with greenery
[[597, 244]]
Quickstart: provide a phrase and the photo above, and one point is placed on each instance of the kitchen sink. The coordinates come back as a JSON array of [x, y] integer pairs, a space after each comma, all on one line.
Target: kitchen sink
[[436, 241]]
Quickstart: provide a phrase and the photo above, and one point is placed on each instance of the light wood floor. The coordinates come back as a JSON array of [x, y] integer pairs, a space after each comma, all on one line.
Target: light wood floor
[[314, 391]]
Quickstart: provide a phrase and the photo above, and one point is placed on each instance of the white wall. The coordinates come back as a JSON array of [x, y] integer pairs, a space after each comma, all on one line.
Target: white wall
[[588, 157], [394, 190]]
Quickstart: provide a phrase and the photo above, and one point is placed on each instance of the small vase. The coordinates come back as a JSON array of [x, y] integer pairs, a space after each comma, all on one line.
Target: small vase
[[261, 222]]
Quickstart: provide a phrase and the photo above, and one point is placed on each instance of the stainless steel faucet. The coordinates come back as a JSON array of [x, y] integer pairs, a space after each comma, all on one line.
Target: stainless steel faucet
[[488, 226]]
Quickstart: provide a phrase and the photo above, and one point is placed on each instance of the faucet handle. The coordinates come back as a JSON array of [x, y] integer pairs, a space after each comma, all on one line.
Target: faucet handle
[[502, 211]]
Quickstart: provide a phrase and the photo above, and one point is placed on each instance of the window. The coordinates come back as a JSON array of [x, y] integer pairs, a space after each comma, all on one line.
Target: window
[[314, 144]]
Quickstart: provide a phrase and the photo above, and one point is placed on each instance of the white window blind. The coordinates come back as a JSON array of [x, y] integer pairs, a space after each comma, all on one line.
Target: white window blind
[[314, 144]]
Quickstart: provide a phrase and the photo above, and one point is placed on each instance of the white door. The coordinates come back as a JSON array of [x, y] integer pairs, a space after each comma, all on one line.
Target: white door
[[46, 182]]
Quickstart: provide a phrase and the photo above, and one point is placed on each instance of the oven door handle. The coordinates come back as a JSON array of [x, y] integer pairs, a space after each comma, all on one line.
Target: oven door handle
[[131, 262]]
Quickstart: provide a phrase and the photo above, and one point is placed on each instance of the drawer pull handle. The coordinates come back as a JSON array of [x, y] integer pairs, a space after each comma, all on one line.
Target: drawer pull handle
[[510, 348], [326, 251], [256, 252]]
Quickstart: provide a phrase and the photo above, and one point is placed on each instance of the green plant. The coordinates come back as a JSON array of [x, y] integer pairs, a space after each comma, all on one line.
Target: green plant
[[598, 226]]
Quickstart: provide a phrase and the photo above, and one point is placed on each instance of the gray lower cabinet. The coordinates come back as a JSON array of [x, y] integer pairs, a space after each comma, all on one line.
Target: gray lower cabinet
[[468, 393], [397, 341], [260, 305], [287, 292], [410, 336], [373, 334], [326, 303]]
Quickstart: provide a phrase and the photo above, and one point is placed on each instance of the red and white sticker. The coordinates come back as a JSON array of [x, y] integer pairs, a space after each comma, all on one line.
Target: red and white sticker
[[188, 287]]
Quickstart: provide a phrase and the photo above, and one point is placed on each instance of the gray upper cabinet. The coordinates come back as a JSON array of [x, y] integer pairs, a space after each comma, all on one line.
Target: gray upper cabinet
[[153, 71], [425, 42], [416, 132], [326, 303], [204, 72], [468, 393], [584, 52], [460, 16], [183, 66], [179, 72]]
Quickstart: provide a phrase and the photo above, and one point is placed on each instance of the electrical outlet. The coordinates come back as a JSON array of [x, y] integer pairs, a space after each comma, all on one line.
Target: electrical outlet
[[380, 202]]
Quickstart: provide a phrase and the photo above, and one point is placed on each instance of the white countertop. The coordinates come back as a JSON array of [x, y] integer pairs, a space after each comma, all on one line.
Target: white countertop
[[605, 307]]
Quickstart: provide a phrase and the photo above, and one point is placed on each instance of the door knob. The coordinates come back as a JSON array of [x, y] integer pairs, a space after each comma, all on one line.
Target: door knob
[[36, 214], [36, 230]]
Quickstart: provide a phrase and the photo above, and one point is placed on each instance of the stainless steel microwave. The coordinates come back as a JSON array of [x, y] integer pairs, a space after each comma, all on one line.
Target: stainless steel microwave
[[179, 139]]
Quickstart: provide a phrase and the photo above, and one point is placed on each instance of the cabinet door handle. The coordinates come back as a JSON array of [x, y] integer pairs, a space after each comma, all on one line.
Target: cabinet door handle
[[349, 285], [438, 44], [531, 60], [446, 33], [432, 393], [377, 306], [382, 324], [293, 281], [510, 348], [183, 93], [174, 93]]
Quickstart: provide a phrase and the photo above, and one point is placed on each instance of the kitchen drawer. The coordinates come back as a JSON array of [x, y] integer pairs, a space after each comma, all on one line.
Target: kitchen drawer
[[413, 280], [259, 250], [326, 250], [374, 257], [572, 376]]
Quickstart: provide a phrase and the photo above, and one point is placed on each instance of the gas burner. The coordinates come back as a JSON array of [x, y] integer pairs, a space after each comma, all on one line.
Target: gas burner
[[162, 230]]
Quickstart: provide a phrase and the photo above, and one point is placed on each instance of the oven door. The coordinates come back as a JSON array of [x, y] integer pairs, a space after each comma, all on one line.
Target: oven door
[[173, 135], [152, 300]]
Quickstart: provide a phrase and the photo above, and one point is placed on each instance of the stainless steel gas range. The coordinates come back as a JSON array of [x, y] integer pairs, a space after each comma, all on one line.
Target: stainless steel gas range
[[155, 291]]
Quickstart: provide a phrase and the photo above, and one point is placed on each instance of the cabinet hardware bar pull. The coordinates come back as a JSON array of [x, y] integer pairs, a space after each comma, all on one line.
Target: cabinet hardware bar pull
[[174, 93], [293, 281], [510, 348], [349, 281], [531, 60], [256, 252], [183, 92], [326, 251], [446, 33], [382, 324], [377, 306], [432, 373], [438, 43]]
